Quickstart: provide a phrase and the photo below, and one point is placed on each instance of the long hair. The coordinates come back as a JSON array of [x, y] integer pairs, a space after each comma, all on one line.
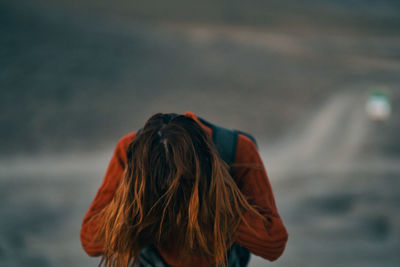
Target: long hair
[[175, 192]]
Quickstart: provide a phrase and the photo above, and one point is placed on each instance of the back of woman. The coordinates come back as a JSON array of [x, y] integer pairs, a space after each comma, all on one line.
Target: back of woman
[[168, 192]]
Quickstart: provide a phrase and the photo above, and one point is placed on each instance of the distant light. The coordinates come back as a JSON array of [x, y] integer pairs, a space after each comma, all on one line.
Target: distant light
[[378, 107]]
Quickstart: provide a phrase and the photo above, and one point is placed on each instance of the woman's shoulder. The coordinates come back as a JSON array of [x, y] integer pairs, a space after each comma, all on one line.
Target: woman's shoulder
[[128, 138], [246, 141], [125, 140], [246, 148]]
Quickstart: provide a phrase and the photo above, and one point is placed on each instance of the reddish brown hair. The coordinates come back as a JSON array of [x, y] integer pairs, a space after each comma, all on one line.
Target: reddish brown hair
[[175, 191]]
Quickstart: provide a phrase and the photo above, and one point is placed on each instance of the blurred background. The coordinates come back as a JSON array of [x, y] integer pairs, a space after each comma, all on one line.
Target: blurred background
[[316, 82]]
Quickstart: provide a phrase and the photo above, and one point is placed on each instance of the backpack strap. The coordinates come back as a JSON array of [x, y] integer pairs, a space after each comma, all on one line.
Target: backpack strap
[[224, 139]]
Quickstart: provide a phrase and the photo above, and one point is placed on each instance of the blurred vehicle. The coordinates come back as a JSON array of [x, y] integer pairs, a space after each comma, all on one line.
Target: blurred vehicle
[[378, 106]]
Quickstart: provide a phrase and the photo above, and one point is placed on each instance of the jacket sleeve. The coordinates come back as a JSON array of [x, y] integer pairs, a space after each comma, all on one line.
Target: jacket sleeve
[[103, 197], [268, 239]]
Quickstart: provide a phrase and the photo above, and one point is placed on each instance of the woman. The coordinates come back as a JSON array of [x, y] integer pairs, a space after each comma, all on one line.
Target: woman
[[167, 188]]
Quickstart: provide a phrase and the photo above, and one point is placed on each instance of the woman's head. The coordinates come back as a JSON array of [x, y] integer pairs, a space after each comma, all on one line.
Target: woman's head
[[176, 191]]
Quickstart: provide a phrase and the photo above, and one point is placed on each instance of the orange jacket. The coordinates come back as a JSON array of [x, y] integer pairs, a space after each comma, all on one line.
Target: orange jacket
[[271, 238]]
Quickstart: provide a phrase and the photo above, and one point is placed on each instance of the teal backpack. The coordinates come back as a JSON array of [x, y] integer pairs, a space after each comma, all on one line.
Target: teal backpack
[[226, 140]]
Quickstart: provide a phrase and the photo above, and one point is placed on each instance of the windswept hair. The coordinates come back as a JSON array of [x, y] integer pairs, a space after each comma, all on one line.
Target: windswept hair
[[176, 192]]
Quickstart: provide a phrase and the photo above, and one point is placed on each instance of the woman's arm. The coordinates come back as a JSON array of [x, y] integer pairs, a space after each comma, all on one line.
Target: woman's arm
[[104, 196], [266, 239]]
